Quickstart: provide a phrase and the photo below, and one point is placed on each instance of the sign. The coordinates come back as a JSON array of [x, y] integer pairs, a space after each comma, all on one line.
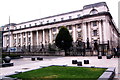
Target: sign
[[12, 49]]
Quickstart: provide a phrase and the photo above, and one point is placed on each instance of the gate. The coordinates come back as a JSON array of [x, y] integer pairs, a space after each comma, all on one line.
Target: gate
[[78, 49]]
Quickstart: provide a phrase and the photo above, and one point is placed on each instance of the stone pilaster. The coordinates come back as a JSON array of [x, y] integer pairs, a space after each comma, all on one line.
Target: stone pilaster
[[50, 36], [84, 31], [43, 36], [100, 31], [21, 39], [37, 38], [11, 39], [32, 38], [26, 35], [74, 33], [89, 32]]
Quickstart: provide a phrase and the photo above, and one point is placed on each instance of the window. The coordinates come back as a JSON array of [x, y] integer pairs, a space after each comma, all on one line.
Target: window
[[79, 34], [29, 25], [7, 28], [23, 46], [14, 35], [54, 36], [19, 40], [35, 24], [24, 26], [24, 39], [19, 34], [70, 27], [20, 27], [71, 33], [23, 33], [54, 20], [95, 41], [59, 27], [48, 21], [61, 19], [29, 39], [7, 41], [79, 26], [78, 15], [93, 11], [70, 17], [94, 23], [95, 32], [41, 23], [28, 33], [54, 29], [14, 40]]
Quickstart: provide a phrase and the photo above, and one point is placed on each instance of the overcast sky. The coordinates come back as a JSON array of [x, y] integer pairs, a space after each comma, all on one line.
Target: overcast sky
[[26, 10]]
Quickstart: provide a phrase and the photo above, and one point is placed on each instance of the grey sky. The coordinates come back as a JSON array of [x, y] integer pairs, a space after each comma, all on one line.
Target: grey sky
[[25, 10]]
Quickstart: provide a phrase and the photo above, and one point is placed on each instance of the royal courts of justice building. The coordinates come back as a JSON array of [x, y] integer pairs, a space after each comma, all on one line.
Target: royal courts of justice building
[[93, 22]]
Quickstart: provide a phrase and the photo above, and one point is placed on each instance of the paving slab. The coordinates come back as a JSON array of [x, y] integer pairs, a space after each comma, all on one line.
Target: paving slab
[[25, 64]]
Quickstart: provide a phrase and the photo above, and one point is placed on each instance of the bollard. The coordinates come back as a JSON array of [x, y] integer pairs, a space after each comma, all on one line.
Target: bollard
[[86, 61], [33, 59], [99, 57], [79, 63], [74, 61], [39, 58]]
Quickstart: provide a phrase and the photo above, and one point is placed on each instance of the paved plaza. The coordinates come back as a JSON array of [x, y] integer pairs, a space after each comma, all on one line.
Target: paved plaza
[[25, 64]]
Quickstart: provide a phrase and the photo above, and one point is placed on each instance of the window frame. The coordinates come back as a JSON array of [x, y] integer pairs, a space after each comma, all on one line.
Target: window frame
[[94, 23], [54, 29], [95, 33]]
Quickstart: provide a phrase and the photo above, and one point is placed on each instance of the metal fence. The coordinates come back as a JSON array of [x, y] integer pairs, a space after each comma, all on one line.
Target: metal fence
[[77, 49]]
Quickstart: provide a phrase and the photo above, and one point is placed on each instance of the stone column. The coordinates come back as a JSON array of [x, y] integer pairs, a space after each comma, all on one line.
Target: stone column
[[100, 31], [84, 31], [37, 38], [43, 36], [50, 36], [26, 35], [32, 38], [89, 31], [105, 30], [11, 39], [4, 41], [74, 33], [21, 39], [16, 40], [57, 30]]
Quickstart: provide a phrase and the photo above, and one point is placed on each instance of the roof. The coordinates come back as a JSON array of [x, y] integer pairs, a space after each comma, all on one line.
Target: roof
[[50, 16], [11, 24], [84, 7], [95, 5], [85, 16]]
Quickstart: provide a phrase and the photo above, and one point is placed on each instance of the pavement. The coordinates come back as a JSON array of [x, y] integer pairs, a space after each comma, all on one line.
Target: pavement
[[25, 64]]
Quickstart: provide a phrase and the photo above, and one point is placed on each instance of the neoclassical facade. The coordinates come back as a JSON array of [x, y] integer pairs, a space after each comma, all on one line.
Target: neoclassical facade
[[0, 41], [94, 22]]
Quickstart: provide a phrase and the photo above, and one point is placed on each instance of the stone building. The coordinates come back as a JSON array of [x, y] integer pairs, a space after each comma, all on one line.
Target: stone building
[[94, 22], [1, 40]]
